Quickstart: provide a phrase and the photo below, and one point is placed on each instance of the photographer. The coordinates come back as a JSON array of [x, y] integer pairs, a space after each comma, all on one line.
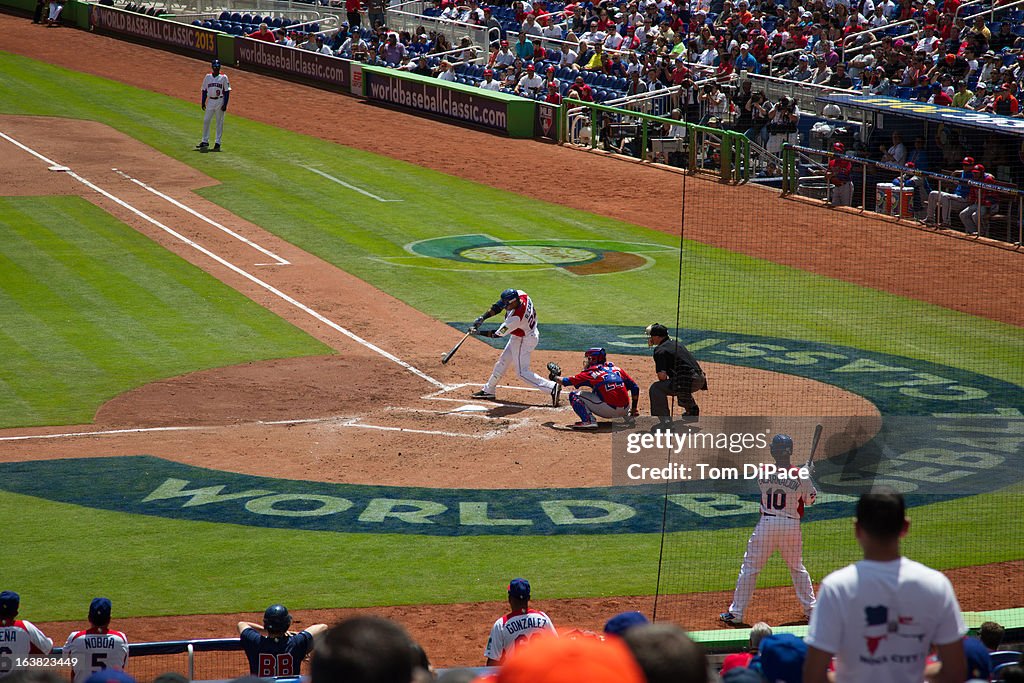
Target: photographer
[[740, 98], [782, 126], [759, 107], [713, 103]]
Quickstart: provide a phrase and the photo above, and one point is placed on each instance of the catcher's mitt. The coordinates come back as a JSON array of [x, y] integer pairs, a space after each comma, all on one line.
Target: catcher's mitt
[[554, 370]]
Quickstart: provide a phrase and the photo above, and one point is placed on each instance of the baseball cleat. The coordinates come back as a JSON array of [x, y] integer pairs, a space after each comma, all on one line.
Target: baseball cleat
[[484, 396], [729, 618], [629, 421], [556, 392], [582, 426], [202, 145], [216, 147]]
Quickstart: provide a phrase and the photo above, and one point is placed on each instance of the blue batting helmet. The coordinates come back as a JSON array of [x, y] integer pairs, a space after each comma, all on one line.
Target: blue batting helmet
[[277, 619], [508, 296], [782, 447], [215, 64], [595, 355]]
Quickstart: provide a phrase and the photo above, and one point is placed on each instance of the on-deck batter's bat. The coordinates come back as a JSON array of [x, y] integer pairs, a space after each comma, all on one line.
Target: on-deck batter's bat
[[814, 445], [448, 356]]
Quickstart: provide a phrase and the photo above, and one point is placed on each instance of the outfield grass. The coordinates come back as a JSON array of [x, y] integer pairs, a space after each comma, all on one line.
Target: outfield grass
[[267, 183], [93, 308]]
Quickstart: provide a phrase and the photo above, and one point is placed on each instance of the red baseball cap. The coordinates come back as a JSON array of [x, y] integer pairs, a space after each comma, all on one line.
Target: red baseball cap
[[968, 161], [839, 147], [488, 72], [911, 164], [531, 67], [950, 58], [979, 168]]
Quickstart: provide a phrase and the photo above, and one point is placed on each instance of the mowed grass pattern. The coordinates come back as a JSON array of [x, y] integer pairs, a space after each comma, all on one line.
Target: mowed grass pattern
[[92, 308]]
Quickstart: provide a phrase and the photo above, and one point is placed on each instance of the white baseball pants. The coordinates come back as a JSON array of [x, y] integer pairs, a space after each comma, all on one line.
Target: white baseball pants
[[598, 407], [945, 203], [842, 195], [771, 534], [517, 353], [214, 108]]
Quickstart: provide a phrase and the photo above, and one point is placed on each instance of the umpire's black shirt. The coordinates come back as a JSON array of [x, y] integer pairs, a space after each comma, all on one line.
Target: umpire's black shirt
[[677, 362]]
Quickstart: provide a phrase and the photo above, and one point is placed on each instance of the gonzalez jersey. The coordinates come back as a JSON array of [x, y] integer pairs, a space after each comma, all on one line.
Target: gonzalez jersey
[[786, 497], [521, 321], [282, 656], [515, 628], [611, 383], [96, 649], [20, 638], [215, 86]]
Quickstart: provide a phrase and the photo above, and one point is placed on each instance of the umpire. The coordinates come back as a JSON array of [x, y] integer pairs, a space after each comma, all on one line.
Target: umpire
[[679, 375]]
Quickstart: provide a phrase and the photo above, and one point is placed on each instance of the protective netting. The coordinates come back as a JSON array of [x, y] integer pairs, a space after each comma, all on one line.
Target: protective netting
[[804, 315]]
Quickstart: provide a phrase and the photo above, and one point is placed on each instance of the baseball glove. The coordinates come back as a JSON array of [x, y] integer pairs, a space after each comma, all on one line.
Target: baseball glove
[[554, 370]]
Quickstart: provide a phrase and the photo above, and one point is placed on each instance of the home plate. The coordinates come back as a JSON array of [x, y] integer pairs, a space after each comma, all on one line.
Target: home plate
[[470, 408], [58, 168]]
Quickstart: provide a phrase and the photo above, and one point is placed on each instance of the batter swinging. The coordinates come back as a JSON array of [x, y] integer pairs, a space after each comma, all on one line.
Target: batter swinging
[[783, 497]]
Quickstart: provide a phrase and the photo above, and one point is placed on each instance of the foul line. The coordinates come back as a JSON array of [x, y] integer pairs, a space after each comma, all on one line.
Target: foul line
[[351, 187], [354, 422], [280, 261], [252, 278]]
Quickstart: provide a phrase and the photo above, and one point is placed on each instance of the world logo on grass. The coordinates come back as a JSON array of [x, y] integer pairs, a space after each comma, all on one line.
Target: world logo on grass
[[945, 433], [574, 257]]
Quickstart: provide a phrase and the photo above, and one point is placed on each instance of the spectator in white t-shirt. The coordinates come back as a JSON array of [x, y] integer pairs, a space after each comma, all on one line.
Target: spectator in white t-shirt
[[880, 616]]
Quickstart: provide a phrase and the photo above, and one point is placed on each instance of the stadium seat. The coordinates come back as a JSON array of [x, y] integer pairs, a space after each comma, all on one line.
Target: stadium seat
[[224, 16], [196, 22], [315, 28], [246, 18], [207, 24], [235, 16], [1004, 656]]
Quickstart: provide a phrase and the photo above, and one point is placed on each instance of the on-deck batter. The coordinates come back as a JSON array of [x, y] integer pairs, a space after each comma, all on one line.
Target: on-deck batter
[[782, 506]]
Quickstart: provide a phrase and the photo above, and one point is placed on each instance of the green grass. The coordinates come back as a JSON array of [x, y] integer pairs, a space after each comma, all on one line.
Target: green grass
[[223, 567], [266, 183], [93, 308]]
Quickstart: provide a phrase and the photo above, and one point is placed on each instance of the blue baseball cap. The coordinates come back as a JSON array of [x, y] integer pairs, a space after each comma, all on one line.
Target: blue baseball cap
[[624, 621], [741, 674], [110, 676], [99, 611], [519, 589], [9, 602], [782, 658]]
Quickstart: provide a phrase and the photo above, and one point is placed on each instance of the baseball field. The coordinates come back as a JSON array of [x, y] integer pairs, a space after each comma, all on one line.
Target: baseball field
[[220, 383]]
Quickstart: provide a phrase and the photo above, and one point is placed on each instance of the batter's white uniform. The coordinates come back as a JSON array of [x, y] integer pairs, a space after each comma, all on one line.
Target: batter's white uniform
[[96, 649], [523, 336], [782, 507], [515, 628], [214, 87], [20, 638]]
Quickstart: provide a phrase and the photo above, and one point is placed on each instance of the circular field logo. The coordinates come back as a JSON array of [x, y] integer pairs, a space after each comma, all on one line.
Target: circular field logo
[[478, 252]]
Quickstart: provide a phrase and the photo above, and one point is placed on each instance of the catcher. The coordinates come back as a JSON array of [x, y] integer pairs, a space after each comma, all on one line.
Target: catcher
[[608, 385]]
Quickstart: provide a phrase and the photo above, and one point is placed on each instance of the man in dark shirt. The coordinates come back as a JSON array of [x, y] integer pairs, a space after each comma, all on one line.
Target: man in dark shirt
[[679, 375], [279, 652]]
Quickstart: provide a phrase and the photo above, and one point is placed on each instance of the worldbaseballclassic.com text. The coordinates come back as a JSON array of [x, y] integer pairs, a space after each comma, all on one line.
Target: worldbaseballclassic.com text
[[639, 442]]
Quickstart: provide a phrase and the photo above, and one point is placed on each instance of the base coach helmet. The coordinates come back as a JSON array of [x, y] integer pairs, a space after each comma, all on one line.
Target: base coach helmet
[[276, 618]]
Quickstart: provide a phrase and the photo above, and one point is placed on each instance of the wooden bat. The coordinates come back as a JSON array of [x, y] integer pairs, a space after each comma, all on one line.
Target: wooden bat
[[448, 356], [814, 445]]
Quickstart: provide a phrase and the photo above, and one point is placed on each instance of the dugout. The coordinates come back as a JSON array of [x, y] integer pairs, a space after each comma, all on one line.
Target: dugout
[[950, 133]]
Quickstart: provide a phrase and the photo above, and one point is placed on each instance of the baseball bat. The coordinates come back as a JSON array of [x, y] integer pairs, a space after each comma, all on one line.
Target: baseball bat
[[448, 356], [814, 444]]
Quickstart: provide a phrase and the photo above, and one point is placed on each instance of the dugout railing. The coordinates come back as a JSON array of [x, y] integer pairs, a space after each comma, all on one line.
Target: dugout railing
[[656, 139], [902, 193]]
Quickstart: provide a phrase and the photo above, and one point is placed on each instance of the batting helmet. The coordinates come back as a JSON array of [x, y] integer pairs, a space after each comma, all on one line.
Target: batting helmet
[[782, 447], [277, 619], [508, 296], [215, 64], [595, 356]]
